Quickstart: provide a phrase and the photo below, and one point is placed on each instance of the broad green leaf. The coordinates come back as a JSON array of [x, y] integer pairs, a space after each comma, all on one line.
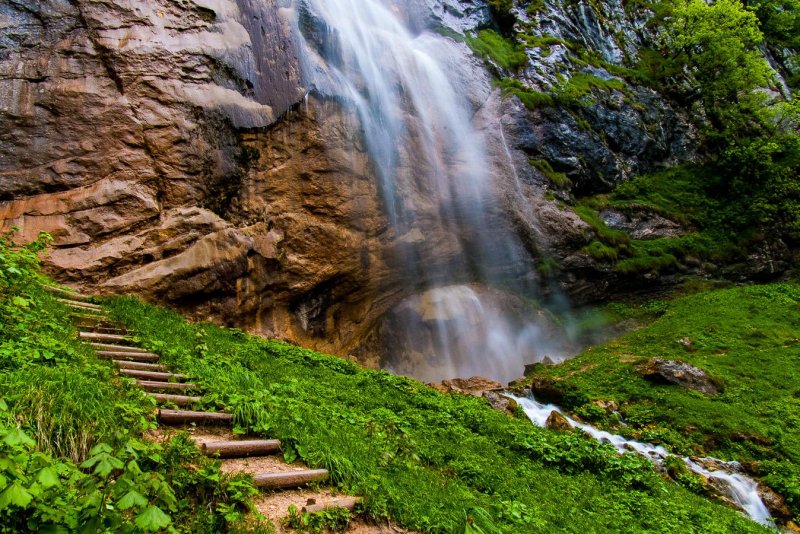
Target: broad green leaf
[[16, 437], [48, 477], [130, 499], [21, 302], [152, 519], [15, 494]]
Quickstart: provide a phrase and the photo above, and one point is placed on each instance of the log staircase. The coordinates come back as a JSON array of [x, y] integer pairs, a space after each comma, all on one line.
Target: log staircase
[[174, 393]]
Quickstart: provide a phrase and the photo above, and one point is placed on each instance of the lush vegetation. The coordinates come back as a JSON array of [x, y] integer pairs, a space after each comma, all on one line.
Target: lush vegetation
[[708, 58], [72, 454], [431, 462], [746, 338]]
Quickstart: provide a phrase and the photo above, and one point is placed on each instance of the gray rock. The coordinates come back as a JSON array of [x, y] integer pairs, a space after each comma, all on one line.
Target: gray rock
[[679, 373]]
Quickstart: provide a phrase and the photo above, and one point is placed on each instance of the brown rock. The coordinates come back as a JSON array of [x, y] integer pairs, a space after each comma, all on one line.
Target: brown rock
[[475, 385], [775, 503], [556, 421]]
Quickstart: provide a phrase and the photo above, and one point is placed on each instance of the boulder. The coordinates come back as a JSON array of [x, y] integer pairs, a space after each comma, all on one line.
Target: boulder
[[556, 421], [501, 403], [678, 373]]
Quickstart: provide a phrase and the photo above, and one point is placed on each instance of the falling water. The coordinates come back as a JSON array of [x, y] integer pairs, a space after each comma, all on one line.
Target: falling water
[[740, 489], [411, 92]]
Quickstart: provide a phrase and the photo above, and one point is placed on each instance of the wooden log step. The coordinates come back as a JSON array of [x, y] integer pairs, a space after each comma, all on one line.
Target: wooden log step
[[134, 356], [139, 366], [241, 449], [183, 417], [94, 336], [117, 348], [180, 400], [345, 502], [290, 479], [67, 293], [81, 305], [150, 385], [151, 375], [104, 329]]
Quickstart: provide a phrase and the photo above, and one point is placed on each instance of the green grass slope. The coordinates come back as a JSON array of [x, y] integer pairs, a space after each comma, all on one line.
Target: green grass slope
[[747, 339], [430, 462]]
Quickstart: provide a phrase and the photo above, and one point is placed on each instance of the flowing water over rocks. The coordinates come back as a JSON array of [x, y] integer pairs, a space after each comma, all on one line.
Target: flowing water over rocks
[[416, 101], [726, 477]]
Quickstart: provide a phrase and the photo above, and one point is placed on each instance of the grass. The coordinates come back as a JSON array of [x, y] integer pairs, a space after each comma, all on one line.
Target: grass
[[72, 455], [684, 194], [744, 337], [431, 462]]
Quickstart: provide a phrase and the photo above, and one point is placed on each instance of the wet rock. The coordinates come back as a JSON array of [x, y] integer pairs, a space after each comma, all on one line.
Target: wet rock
[[545, 390], [500, 402], [775, 503], [556, 421], [679, 373]]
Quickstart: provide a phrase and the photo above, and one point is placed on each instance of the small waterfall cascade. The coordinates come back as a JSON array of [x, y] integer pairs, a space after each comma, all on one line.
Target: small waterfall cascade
[[415, 98], [740, 489]]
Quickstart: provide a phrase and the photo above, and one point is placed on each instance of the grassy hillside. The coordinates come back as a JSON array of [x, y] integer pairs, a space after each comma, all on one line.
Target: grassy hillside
[[747, 339], [431, 462], [73, 457]]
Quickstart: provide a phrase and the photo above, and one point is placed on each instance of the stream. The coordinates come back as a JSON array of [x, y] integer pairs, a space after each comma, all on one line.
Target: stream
[[740, 489]]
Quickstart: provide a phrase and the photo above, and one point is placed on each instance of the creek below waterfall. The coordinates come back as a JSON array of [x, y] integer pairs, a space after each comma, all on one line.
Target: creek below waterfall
[[738, 488]]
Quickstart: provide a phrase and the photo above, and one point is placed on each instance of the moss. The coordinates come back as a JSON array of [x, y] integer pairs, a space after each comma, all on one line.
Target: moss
[[558, 179], [491, 45], [530, 98], [576, 90], [599, 251]]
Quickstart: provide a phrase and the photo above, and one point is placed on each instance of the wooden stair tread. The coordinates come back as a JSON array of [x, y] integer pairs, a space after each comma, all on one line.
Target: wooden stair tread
[[342, 502], [154, 385], [67, 293], [135, 356], [189, 416], [79, 304], [290, 479], [102, 337], [180, 400], [139, 366], [151, 375], [118, 348], [241, 448]]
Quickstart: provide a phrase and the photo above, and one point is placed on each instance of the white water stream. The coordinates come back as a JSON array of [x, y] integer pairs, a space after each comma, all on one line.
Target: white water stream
[[740, 489]]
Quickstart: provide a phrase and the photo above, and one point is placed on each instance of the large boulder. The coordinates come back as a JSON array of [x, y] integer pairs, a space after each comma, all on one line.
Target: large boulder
[[679, 373]]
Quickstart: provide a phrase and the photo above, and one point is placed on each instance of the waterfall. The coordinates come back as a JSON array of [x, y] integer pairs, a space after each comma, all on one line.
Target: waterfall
[[740, 489], [414, 93]]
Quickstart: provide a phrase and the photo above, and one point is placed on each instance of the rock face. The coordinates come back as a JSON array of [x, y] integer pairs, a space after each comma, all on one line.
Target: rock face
[[176, 150], [679, 373]]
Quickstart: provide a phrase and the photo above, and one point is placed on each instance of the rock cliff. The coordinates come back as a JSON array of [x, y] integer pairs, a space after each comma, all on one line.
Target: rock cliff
[[177, 150]]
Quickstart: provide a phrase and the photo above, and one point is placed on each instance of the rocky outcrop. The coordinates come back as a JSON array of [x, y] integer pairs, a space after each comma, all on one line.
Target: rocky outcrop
[[679, 373]]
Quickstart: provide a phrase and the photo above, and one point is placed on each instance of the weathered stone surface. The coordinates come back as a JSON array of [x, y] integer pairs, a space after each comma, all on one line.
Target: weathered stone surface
[[679, 373], [474, 385], [501, 403], [556, 421], [642, 225], [775, 503]]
